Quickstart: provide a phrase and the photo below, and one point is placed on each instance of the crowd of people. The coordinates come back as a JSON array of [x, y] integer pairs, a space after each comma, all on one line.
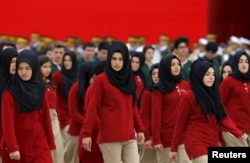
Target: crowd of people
[[108, 101]]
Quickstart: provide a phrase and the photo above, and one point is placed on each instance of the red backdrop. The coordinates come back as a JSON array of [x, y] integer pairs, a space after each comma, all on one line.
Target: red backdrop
[[86, 18]]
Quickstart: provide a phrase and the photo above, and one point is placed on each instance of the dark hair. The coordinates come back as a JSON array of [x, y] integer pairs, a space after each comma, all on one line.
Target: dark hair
[[6, 43], [88, 44], [212, 47], [180, 40], [145, 49], [59, 45], [46, 49], [41, 60], [103, 45]]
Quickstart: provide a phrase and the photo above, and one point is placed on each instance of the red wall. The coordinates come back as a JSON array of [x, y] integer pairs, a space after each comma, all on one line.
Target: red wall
[[85, 18]]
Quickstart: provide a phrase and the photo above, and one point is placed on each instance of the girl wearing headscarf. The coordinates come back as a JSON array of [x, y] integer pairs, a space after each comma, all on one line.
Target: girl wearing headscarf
[[148, 155], [137, 61], [95, 155], [63, 80], [235, 96], [45, 77], [76, 102], [226, 69], [113, 100], [200, 113], [165, 99], [7, 70], [26, 121]]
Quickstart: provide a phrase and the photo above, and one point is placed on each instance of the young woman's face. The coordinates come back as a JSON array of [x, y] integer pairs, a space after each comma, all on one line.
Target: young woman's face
[[243, 64], [226, 71], [45, 69], [154, 75], [13, 66], [209, 77], [117, 61], [149, 55], [135, 63], [67, 62], [24, 71], [175, 67]]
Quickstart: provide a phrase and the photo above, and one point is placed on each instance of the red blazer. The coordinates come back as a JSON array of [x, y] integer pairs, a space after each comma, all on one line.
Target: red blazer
[[200, 131], [235, 96], [29, 132], [63, 109], [165, 110], [118, 117], [146, 112], [75, 111]]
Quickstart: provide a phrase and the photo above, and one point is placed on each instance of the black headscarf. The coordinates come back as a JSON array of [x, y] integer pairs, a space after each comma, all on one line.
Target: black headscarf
[[167, 82], [69, 76], [122, 79], [207, 97], [5, 57], [100, 67], [227, 63], [154, 66], [87, 71], [28, 94], [236, 72]]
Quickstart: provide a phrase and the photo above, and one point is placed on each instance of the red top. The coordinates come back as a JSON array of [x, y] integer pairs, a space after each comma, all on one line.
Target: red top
[[146, 113], [165, 106], [139, 85], [63, 110], [200, 131], [235, 96], [117, 115], [51, 96], [75, 111], [29, 132]]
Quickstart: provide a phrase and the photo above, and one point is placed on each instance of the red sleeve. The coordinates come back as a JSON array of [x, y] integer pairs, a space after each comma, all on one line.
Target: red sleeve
[[146, 113], [8, 124], [87, 98], [156, 117], [229, 125], [137, 120], [91, 113], [74, 104], [47, 124], [185, 107], [225, 90]]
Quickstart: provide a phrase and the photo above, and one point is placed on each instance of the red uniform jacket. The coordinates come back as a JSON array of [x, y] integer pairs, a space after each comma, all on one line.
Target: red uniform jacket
[[165, 110], [118, 117], [235, 96], [95, 156], [52, 99], [200, 131], [27, 132], [63, 109], [75, 111], [146, 112]]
